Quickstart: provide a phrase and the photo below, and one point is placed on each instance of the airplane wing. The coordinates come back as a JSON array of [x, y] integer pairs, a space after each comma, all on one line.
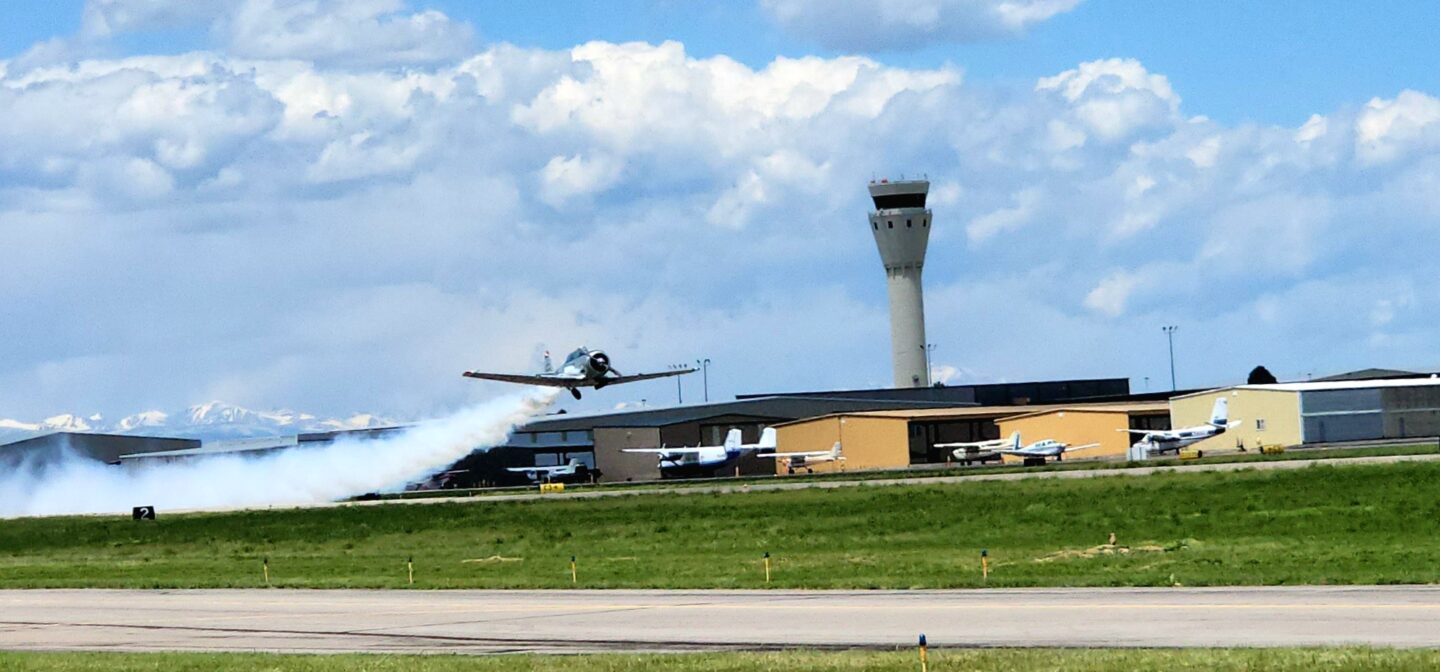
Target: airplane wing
[[1143, 431], [670, 450], [547, 381], [522, 470], [644, 376], [822, 453], [1084, 447], [973, 444]]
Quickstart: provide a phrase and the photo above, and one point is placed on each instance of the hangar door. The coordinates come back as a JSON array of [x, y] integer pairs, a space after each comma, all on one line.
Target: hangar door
[[1342, 415]]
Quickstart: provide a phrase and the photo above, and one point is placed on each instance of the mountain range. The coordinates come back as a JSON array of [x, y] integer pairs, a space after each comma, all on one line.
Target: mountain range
[[215, 420]]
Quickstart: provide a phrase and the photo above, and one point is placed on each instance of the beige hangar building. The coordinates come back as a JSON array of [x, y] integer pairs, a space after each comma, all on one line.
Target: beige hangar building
[[1292, 414]]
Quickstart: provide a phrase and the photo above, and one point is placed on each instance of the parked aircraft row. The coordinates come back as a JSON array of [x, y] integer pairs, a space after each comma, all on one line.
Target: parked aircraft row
[[592, 368], [1035, 453]]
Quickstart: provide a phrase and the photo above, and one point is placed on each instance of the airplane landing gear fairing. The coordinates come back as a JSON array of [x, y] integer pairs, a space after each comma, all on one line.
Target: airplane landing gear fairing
[[575, 392]]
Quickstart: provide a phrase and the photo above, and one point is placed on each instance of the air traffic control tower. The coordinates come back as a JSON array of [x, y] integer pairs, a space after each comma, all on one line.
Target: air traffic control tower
[[901, 225]]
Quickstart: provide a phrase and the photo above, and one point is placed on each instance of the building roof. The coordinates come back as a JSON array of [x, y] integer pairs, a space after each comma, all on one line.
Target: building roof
[[990, 394], [1322, 386], [1137, 407], [775, 408], [1370, 374], [981, 412]]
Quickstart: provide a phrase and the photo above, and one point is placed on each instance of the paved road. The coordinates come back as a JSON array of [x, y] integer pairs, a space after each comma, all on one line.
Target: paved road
[[572, 621]]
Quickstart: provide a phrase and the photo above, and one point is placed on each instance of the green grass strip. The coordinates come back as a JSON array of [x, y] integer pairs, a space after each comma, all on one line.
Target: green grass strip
[[1375, 524]]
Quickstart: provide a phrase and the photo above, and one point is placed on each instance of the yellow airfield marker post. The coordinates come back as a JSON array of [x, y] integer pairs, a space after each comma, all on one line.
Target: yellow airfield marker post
[[265, 567], [924, 654], [984, 564], [767, 566], [410, 568], [574, 575]]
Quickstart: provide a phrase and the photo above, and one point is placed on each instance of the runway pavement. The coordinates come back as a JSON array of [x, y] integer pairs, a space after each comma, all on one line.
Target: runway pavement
[[574, 621]]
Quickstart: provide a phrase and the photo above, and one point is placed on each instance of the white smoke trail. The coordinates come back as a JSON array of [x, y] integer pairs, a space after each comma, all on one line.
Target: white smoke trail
[[345, 468]]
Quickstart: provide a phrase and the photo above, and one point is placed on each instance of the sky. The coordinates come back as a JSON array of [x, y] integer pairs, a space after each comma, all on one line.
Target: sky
[[337, 206]]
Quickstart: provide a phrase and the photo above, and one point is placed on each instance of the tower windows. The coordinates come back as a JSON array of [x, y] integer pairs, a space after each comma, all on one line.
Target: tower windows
[[889, 224], [907, 224], [877, 226]]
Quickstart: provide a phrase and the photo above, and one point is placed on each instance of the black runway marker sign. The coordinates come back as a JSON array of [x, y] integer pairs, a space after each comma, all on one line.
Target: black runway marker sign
[[143, 513]]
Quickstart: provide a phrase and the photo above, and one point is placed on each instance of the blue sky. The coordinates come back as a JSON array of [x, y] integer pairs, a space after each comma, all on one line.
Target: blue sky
[[336, 206]]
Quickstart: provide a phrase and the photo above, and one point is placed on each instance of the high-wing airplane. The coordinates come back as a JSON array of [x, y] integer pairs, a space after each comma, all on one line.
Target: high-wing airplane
[[701, 458], [1036, 453], [803, 460], [582, 368], [574, 470], [978, 451], [1158, 441]]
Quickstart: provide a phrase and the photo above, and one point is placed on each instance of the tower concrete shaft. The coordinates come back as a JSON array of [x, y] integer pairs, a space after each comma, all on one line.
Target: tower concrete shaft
[[901, 225]]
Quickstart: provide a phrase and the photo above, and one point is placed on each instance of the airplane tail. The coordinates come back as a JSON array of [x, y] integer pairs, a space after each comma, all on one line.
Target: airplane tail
[[1220, 416], [1015, 443], [549, 366], [767, 438], [732, 439], [836, 452]]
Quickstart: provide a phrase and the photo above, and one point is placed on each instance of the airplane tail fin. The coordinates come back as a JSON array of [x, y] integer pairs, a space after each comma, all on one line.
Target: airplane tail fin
[[767, 438], [836, 452], [549, 366], [732, 439], [1220, 416], [1015, 441]]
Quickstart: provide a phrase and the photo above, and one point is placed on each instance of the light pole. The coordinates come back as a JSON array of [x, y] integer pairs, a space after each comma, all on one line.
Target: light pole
[[929, 367], [704, 366], [1170, 336], [679, 393]]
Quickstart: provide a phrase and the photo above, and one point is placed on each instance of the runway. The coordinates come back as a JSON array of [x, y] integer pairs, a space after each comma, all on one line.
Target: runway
[[580, 621]]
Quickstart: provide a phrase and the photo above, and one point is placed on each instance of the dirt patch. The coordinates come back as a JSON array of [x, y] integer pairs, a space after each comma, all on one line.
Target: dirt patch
[[1107, 549], [493, 558]]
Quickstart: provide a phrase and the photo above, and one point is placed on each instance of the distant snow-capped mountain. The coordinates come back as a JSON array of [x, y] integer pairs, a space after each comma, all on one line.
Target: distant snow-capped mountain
[[209, 421]]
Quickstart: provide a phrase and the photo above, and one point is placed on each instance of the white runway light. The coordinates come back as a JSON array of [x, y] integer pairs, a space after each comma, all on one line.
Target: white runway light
[[334, 471]]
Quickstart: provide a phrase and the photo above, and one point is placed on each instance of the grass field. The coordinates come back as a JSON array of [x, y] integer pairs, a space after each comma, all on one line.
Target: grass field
[[1005, 660], [1323, 524]]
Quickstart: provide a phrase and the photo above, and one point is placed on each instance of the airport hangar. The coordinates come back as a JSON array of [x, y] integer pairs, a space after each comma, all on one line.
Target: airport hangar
[[1323, 411], [956, 413], [901, 438]]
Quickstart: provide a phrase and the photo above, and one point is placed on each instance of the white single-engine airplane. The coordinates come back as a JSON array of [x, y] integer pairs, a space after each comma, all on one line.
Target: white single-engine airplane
[[572, 470], [978, 451], [583, 368], [803, 460], [1161, 441], [708, 457]]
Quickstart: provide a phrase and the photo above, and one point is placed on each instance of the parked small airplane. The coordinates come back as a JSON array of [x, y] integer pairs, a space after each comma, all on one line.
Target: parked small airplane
[[978, 451], [708, 457], [582, 368], [1036, 453], [1159, 442], [803, 460], [572, 471]]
